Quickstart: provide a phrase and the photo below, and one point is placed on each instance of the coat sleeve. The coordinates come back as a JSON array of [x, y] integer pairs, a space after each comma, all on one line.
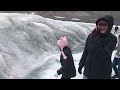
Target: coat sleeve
[[84, 55], [63, 68], [65, 65], [109, 47]]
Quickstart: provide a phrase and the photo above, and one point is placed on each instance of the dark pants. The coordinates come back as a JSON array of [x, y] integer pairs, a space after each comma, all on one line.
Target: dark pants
[[84, 77], [64, 76], [116, 62]]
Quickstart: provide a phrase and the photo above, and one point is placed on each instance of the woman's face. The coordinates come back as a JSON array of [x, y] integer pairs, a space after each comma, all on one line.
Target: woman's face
[[103, 26]]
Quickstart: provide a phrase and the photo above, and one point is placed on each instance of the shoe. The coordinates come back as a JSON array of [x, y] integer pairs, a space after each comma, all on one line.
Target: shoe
[[115, 76]]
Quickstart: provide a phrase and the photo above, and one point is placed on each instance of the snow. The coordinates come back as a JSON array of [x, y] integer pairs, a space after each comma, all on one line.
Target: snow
[[28, 45], [55, 65], [75, 19], [59, 17]]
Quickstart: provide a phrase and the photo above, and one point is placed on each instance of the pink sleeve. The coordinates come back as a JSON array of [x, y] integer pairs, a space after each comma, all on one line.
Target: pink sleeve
[[64, 56]]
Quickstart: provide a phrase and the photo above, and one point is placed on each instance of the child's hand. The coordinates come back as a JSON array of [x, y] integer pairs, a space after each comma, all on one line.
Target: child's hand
[[56, 75]]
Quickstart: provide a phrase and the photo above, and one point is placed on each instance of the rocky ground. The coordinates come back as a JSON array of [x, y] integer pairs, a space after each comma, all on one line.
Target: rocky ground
[[77, 16]]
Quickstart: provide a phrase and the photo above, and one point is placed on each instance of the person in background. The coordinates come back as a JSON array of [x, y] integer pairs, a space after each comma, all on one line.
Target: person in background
[[116, 61], [116, 29]]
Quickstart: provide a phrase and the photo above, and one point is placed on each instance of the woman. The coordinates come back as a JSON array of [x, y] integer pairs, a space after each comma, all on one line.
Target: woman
[[66, 59], [96, 58]]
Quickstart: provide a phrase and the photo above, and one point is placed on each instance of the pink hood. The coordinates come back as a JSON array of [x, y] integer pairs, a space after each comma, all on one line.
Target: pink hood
[[62, 42]]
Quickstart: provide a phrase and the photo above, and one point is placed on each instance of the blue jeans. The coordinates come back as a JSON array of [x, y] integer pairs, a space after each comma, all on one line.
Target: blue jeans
[[116, 62]]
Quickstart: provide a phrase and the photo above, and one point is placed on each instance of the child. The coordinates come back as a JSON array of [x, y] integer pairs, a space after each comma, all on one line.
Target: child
[[66, 59]]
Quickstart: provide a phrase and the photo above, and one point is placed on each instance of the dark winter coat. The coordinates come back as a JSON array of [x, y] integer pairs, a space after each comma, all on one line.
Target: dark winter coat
[[67, 65], [97, 52]]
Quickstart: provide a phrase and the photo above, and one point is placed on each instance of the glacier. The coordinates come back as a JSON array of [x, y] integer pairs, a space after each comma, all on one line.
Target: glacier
[[28, 47]]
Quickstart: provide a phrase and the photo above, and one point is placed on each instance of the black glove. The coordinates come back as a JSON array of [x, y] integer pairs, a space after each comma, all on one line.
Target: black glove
[[80, 70]]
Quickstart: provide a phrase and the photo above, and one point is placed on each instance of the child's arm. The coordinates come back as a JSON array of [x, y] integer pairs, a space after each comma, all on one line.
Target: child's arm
[[64, 56]]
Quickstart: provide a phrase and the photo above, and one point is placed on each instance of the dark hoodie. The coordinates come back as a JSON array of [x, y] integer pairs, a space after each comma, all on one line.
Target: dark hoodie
[[97, 52], [110, 20]]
